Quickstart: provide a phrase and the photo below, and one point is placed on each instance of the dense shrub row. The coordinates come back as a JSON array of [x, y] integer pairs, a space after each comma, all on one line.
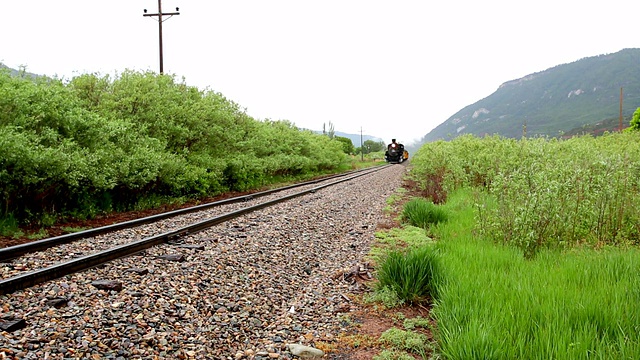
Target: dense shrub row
[[547, 192], [97, 143]]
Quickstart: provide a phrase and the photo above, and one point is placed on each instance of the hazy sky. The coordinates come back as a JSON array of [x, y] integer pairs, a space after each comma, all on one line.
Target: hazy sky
[[395, 69]]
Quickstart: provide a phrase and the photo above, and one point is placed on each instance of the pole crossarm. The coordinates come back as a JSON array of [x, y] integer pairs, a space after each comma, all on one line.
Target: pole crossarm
[[163, 14]]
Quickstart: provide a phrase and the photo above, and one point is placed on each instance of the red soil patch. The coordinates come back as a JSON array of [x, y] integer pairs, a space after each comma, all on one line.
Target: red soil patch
[[361, 343]]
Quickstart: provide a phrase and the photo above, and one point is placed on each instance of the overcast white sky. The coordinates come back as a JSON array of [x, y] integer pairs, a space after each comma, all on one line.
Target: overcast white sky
[[395, 69]]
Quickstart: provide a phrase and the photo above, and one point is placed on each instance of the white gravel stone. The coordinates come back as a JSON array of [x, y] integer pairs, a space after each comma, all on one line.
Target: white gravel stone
[[304, 351]]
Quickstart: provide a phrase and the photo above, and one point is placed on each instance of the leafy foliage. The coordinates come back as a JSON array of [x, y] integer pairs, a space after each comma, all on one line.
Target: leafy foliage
[[371, 146], [347, 144], [635, 121], [546, 192], [98, 144]]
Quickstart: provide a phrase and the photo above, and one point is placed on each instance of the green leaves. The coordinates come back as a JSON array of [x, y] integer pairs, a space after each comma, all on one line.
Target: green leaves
[[635, 120], [548, 192], [98, 143]]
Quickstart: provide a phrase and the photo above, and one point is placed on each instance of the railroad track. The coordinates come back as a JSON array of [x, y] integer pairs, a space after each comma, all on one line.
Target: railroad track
[[242, 289], [48, 270]]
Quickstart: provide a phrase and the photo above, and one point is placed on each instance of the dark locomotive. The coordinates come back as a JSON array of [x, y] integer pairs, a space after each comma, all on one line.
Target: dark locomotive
[[395, 153]]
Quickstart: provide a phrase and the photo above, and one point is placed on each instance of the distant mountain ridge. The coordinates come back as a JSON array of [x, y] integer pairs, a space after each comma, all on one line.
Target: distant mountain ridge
[[355, 138], [548, 103]]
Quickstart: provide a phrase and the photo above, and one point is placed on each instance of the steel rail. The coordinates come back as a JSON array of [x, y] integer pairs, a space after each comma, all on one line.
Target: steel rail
[[35, 277], [43, 244]]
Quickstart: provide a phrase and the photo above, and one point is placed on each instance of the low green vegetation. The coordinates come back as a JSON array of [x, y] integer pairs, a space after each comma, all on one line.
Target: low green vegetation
[[494, 302], [405, 343], [73, 229], [395, 238], [410, 274], [423, 213], [406, 340], [393, 355], [386, 296], [97, 144], [9, 226], [544, 193], [538, 257], [416, 322]]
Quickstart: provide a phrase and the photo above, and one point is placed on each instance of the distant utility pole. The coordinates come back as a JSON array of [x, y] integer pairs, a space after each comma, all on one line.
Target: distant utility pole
[[160, 14], [620, 127], [361, 146]]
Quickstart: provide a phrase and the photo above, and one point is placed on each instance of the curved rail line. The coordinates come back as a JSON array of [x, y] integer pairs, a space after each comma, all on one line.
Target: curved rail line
[[35, 277]]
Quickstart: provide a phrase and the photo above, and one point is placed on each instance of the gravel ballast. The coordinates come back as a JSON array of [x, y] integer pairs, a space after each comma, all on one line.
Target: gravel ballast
[[243, 289]]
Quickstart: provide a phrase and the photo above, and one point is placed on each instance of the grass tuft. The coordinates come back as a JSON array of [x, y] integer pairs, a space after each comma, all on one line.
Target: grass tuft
[[423, 213], [9, 226], [409, 274]]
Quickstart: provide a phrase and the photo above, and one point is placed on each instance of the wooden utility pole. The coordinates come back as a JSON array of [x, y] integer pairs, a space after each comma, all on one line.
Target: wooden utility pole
[[620, 128], [361, 146], [160, 14]]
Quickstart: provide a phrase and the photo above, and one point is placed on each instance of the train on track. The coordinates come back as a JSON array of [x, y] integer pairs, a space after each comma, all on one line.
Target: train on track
[[395, 153]]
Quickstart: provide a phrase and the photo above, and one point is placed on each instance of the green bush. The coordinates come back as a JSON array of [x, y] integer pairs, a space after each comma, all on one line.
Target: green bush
[[547, 193], [99, 144], [635, 121]]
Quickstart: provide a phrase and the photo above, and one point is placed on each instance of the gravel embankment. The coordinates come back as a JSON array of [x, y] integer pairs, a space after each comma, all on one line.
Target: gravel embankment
[[262, 281], [65, 252]]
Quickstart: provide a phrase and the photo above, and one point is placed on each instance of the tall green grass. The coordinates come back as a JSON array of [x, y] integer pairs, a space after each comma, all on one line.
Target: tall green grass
[[410, 274], [423, 213], [493, 303]]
